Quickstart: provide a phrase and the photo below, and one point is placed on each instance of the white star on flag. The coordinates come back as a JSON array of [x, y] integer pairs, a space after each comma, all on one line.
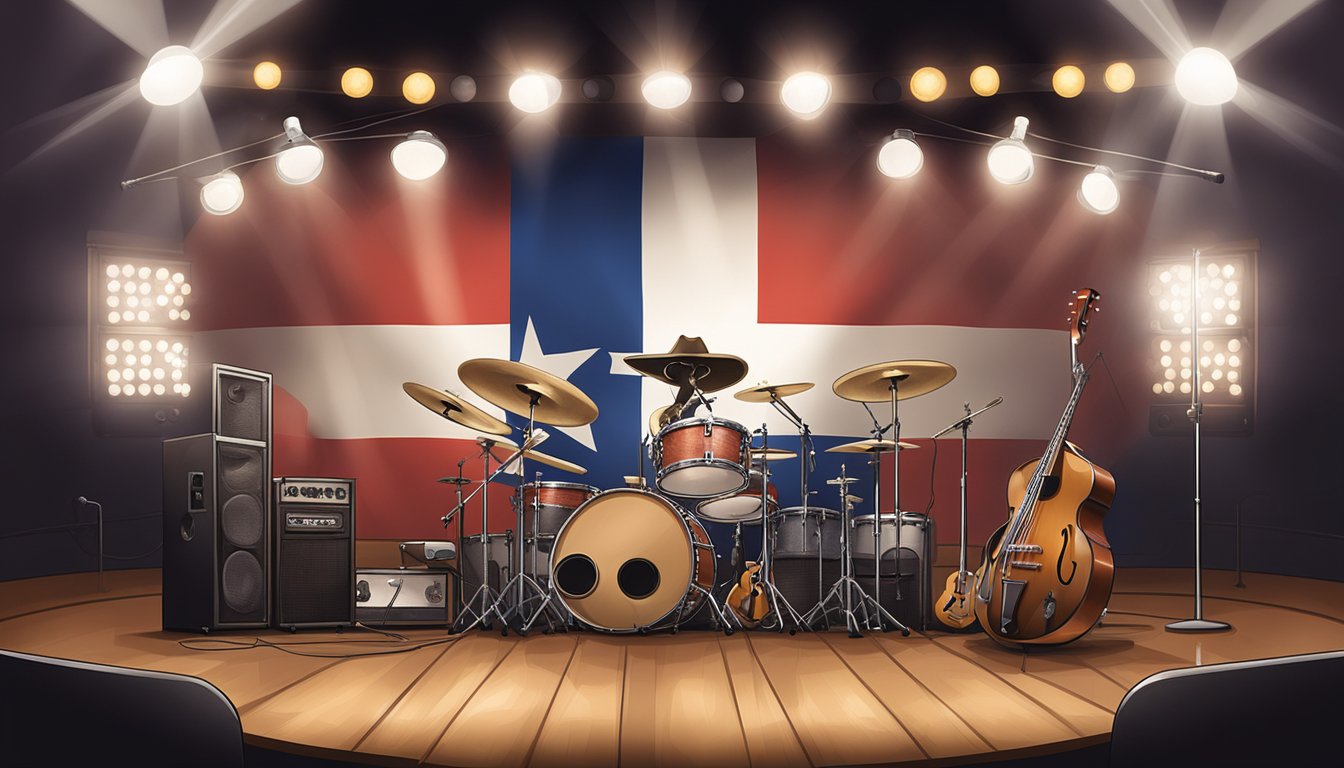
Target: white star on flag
[[561, 364]]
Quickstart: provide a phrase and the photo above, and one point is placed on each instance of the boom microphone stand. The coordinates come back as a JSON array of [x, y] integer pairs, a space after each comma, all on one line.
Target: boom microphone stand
[[1198, 623]]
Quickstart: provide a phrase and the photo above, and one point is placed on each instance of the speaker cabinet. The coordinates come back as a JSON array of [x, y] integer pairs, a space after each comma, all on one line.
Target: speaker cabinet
[[242, 403], [216, 536], [314, 552]]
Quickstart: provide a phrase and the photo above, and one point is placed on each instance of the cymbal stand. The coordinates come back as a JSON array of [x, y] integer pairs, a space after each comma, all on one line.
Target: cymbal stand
[[881, 613], [520, 578], [489, 598], [775, 598], [806, 458], [845, 592]]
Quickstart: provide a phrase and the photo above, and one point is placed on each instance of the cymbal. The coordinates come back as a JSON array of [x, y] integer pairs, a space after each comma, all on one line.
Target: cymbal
[[771, 454], [533, 455], [761, 392], [454, 480], [871, 446], [689, 356], [656, 418], [455, 409], [872, 383], [511, 385]]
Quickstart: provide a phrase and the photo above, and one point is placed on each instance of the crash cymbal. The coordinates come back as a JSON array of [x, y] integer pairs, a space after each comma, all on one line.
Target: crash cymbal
[[455, 409], [512, 385], [872, 383], [771, 454], [871, 446], [553, 461], [761, 393], [655, 419], [690, 357]]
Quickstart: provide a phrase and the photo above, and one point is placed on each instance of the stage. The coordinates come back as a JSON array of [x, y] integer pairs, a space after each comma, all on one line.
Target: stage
[[695, 698]]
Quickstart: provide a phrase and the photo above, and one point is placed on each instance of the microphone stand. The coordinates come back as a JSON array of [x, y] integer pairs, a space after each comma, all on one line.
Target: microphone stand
[[1198, 623]]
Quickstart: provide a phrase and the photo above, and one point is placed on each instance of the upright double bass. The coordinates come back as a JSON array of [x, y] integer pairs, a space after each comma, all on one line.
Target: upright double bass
[[1048, 572]]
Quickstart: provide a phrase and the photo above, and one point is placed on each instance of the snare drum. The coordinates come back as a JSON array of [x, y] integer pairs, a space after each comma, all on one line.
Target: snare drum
[[800, 534], [556, 502], [916, 532], [742, 507], [702, 457], [630, 561]]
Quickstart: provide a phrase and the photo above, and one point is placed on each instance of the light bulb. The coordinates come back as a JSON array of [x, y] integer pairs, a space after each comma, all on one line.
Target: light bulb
[[534, 92], [1010, 162], [1205, 77], [172, 75], [300, 161], [901, 157], [419, 156], [666, 89], [806, 94], [1098, 192], [222, 194]]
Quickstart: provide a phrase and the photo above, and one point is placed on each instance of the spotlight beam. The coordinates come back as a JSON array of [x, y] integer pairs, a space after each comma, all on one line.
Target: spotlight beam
[[138, 23], [1158, 21], [128, 95], [1292, 123], [232, 20], [1241, 26]]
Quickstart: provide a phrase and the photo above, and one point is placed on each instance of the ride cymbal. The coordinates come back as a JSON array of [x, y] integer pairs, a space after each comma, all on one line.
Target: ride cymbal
[[512, 386], [771, 454], [761, 393], [871, 446], [455, 409], [872, 383]]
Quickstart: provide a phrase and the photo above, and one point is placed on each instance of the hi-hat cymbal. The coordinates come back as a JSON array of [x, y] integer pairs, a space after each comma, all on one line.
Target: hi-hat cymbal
[[454, 480], [762, 393], [871, 446], [455, 409], [771, 454], [872, 383], [512, 386]]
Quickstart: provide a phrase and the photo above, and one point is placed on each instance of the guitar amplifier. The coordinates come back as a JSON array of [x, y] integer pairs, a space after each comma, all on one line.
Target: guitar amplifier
[[314, 552], [405, 597]]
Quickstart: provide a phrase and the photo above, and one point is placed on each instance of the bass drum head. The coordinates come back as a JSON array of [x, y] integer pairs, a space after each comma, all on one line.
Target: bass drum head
[[622, 562]]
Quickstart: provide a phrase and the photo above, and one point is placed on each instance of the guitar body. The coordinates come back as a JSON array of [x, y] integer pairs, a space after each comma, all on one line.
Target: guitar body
[[1059, 579], [747, 597], [953, 608]]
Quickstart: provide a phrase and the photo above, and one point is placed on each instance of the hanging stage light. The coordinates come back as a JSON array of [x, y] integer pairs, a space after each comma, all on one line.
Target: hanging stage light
[[171, 75], [901, 157], [1119, 77], [805, 94], [418, 88], [1010, 161], [1205, 77], [301, 160], [356, 82], [419, 156], [928, 83], [1098, 193], [666, 89], [1068, 81], [985, 80], [534, 92], [267, 75], [222, 193]]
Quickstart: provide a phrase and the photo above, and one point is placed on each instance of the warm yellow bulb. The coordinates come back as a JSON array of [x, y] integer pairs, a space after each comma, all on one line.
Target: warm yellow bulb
[[928, 83], [985, 80], [266, 75], [418, 88], [1068, 81], [357, 82], [1119, 77]]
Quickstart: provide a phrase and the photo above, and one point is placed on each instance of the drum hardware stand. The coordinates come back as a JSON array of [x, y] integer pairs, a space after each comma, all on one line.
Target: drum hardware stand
[[1198, 623], [807, 458], [846, 587], [766, 576], [457, 483], [520, 576], [489, 598]]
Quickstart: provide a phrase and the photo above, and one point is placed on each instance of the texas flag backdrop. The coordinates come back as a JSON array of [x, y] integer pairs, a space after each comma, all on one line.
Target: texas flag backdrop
[[575, 252]]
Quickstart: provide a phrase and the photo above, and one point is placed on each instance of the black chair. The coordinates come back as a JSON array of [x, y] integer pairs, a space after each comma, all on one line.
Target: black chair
[[58, 712], [1282, 711]]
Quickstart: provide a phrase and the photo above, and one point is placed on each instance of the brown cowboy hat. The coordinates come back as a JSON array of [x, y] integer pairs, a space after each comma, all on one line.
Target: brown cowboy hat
[[689, 356]]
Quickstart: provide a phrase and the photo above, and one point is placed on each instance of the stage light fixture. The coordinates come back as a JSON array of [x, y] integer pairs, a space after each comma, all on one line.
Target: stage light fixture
[[805, 94], [928, 83], [1068, 81], [171, 76], [731, 90], [141, 292], [222, 194], [142, 375], [1010, 162], [598, 89], [1205, 77], [985, 80], [1119, 77], [419, 156], [900, 157], [534, 92], [666, 89], [462, 88], [1221, 285], [301, 160], [267, 75], [418, 88], [356, 82], [1098, 193]]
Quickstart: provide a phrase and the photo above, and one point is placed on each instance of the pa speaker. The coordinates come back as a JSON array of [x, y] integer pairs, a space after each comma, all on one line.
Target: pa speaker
[[216, 533], [242, 403]]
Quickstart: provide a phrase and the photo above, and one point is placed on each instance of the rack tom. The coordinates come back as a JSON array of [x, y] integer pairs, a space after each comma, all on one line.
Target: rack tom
[[743, 506], [555, 503], [702, 457]]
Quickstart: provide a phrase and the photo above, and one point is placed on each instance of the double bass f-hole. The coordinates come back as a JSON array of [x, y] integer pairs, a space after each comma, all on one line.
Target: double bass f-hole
[[1059, 566]]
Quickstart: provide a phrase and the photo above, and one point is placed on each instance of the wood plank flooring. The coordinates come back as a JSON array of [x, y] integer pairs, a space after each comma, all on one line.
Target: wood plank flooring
[[695, 698]]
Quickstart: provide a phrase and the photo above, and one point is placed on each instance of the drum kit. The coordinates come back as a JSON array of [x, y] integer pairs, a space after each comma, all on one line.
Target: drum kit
[[640, 558]]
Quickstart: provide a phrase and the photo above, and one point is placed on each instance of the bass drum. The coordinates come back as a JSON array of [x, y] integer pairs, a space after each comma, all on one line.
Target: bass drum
[[632, 561]]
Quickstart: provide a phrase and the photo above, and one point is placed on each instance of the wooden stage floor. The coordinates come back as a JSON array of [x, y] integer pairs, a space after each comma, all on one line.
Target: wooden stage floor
[[695, 698]]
